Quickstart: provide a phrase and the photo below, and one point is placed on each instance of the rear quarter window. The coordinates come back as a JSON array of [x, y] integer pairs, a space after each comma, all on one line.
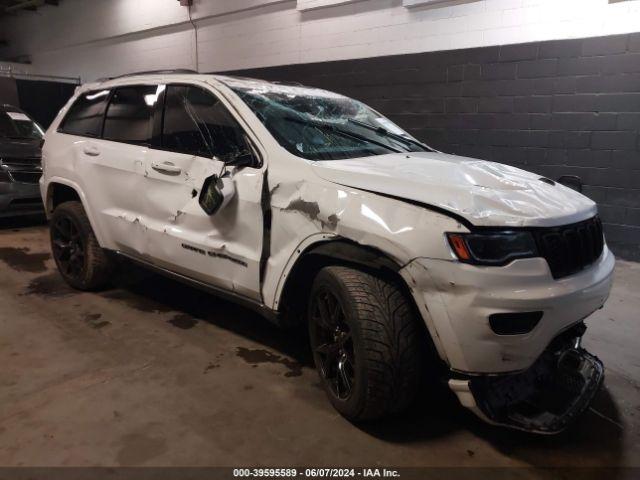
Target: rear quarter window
[[86, 114]]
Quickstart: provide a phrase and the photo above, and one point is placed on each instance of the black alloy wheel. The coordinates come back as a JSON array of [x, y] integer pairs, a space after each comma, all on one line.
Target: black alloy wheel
[[69, 247], [81, 261], [332, 343], [366, 342]]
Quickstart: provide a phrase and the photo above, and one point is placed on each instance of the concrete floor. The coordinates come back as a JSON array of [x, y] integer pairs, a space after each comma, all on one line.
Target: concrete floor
[[155, 373]]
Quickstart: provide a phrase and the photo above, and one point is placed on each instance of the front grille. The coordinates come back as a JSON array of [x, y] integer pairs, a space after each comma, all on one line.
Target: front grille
[[26, 177], [571, 248], [22, 169]]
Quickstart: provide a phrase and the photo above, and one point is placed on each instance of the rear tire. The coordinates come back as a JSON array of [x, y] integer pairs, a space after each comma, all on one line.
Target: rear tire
[[366, 343], [78, 256]]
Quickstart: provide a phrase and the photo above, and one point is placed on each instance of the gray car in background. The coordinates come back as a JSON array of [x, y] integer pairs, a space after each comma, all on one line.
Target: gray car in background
[[20, 163]]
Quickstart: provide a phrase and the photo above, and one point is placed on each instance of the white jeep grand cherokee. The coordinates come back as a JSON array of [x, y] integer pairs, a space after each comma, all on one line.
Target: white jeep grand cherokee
[[311, 207]]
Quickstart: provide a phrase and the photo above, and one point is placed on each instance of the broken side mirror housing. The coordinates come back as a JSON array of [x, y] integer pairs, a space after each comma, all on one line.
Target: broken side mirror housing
[[216, 193], [571, 181]]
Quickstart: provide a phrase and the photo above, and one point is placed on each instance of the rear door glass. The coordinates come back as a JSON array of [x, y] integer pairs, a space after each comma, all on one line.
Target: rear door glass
[[130, 114]]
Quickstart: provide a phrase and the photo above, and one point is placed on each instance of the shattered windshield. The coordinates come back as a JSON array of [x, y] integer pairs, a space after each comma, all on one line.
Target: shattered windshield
[[17, 125], [320, 125]]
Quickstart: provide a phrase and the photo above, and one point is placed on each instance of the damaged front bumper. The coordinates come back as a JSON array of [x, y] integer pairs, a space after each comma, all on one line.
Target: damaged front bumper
[[543, 399]]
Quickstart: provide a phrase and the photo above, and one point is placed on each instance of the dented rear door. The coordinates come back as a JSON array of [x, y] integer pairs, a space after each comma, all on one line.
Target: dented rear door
[[112, 167], [223, 249]]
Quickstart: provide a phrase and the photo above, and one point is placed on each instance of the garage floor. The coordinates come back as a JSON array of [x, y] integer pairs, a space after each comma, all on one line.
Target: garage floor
[[155, 373]]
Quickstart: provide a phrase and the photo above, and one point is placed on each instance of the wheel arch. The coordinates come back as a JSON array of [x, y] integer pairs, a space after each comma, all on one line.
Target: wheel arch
[[331, 250], [325, 251], [58, 192], [62, 190], [293, 297]]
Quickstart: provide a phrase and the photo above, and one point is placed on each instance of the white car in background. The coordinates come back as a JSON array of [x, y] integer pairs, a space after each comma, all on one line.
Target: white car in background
[[309, 206]]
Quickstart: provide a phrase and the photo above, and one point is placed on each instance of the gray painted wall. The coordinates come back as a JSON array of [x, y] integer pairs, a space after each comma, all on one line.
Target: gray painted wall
[[569, 107]]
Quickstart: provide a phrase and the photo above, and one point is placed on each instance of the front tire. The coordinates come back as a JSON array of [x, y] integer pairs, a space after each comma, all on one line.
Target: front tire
[[78, 256], [366, 343]]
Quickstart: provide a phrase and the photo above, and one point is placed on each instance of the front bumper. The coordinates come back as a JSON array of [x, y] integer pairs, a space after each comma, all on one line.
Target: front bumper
[[20, 199], [544, 399], [457, 299]]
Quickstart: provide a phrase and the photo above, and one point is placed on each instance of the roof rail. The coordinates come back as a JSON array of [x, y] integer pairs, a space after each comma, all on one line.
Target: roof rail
[[150, 72], [287, 83]]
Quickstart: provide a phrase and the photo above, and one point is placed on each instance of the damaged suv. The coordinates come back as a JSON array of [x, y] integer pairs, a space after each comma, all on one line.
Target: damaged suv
[[309, 206]]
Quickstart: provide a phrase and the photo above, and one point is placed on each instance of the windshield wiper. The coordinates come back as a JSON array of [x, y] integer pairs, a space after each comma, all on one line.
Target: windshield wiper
[[386, 133], [348, 133]]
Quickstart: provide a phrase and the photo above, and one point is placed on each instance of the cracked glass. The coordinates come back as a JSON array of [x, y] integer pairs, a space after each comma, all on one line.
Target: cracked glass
[[197, 123], [319, 125]]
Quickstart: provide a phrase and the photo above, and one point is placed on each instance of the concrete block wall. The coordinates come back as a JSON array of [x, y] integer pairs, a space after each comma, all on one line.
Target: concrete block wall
[[569, 107]]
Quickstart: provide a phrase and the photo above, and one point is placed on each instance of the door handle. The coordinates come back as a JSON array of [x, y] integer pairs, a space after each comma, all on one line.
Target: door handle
[[91, 150], [166, 168]]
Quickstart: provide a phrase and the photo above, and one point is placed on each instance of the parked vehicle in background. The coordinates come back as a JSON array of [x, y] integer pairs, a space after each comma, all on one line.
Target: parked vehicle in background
[[20, 143], [311, 207]]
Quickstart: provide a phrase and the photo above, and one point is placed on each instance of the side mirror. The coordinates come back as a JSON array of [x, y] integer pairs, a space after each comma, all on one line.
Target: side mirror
[[216, 193], [571, 181]]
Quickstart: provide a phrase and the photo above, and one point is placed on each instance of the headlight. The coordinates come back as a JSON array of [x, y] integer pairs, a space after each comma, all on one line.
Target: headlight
[[492, 248]]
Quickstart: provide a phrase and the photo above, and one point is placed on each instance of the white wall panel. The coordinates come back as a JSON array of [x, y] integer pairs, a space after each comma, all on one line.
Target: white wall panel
[[94, 38], [304, 5]]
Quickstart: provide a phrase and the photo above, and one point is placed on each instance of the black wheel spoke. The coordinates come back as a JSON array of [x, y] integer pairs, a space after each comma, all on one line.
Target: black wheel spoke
[[74, 234], [336, 312], [329, 353], [62, 229], [329, 365], [76, 258], [325, 315], [328, 349], [68, 246], [332, 343], [61, 244], [344, 375]]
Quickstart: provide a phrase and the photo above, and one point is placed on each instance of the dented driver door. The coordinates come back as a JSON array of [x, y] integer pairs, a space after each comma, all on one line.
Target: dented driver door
[[198, 139]]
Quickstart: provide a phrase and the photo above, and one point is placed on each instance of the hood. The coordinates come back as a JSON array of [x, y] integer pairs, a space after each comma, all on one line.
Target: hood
[[484, 193], [14, 148]]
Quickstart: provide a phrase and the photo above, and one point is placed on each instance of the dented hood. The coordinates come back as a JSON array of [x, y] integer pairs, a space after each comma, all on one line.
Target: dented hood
[[484, 193]]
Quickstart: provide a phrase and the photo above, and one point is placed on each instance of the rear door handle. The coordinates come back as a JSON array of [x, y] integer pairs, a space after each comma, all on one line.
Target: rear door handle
[[166, 168], [91, 150]]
